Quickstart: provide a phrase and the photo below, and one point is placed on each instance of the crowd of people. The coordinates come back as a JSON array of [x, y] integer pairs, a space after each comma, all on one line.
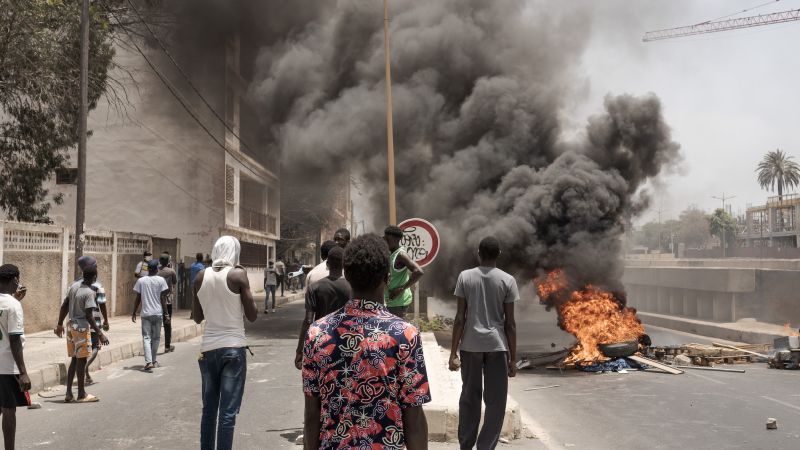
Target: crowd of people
[[362, 365]]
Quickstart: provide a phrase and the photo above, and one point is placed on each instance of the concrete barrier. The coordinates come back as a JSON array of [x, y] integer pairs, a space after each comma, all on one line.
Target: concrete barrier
[[442, 411]]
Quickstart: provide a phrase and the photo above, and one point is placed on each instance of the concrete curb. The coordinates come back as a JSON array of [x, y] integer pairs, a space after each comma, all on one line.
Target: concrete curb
[[442, 411], [56, 373], [708, 329]]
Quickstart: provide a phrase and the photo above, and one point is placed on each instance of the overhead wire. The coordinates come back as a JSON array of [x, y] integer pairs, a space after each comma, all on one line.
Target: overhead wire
[[186, 76], [179, 98]]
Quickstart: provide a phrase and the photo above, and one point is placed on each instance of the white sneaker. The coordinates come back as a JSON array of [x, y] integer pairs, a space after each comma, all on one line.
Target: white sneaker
[[273, 310]]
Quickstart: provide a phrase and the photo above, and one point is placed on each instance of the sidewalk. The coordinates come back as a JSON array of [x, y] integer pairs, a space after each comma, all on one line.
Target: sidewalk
[[46, 354]]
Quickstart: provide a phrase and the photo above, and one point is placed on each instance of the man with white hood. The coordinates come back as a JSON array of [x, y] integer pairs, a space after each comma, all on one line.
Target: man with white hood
[[222, 297]]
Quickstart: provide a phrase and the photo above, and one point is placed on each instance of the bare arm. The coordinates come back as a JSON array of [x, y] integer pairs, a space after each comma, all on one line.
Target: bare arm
[[165, 313], [307, 321], [197, 309], [416, 270], [415, 428], [458, 332], [136, 306], [241, 285], [510, 329], [62, 314], [104, 312], [311, 426], [15, 341]]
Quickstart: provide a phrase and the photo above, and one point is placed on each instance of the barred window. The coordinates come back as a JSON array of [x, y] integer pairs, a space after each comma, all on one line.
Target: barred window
[[229, 184]]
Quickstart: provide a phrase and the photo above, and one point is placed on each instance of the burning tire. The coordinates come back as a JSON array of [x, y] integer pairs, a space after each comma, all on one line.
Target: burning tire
[[620, 349]]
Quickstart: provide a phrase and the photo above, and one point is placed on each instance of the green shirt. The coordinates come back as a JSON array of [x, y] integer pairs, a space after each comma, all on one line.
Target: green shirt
[[398, 278]]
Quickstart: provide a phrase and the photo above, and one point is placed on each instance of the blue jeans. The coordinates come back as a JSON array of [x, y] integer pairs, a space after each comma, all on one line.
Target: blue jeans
[[270, 288], [151, 337], [223, 373]]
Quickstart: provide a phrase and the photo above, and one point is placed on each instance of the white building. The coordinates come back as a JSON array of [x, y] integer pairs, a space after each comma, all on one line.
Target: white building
[[153, 169]]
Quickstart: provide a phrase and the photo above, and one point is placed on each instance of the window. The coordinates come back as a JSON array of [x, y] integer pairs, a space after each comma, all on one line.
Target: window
[[67, 176], [253, 255], [229, 184]]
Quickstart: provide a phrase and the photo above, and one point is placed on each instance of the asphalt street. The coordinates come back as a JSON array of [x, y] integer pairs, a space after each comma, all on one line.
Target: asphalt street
[[161, 410]]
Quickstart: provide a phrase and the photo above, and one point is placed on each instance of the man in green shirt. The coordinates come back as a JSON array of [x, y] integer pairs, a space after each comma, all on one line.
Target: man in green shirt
[[403, 273]]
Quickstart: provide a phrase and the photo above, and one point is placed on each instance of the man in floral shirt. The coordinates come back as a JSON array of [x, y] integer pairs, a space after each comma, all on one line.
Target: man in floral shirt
[[364, 372]]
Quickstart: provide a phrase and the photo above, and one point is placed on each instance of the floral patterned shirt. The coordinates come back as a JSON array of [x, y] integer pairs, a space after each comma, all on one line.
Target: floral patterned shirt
[[366, 365]]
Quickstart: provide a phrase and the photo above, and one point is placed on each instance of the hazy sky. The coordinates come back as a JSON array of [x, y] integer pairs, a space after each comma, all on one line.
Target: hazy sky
[[730, 97]]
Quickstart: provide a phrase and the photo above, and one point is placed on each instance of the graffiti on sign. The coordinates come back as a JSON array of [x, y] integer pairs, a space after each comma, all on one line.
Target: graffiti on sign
[[414, 244]]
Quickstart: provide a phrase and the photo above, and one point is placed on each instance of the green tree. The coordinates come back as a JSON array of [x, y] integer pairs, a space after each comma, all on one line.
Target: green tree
[[778, 170], [693, 228], [39, 102], [720, 220]]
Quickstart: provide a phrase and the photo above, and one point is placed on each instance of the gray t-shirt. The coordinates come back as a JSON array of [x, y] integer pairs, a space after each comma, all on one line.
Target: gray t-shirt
[[81, 297], [150, 288], [486, 290]]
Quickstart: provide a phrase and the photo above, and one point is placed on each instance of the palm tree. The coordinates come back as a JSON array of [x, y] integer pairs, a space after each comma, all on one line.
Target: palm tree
[[778, 169]]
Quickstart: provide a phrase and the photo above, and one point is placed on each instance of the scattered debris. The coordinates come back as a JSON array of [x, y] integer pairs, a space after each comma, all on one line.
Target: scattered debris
[[656, 364], [503, 440], [715, 369], [541, 387], [524, 364], [682, 360], [717, 344], [772, 424]]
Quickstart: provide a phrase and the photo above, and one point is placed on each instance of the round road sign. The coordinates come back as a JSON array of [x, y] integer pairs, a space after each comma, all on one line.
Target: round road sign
[[420, 239]]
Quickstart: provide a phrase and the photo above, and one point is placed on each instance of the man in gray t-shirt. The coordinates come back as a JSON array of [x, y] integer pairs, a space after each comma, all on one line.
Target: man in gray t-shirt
[[151, 293], [486, 334]]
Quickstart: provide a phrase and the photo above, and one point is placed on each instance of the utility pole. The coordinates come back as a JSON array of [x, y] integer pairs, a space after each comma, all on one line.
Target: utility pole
[[80, 201], [389, 125], [724, 243]]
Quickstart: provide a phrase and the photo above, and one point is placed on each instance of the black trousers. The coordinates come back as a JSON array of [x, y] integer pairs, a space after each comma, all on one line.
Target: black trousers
[[399, 311], [484, 376], [168, 329]]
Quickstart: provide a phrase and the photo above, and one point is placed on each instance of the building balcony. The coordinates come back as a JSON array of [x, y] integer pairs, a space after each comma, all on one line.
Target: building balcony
[[272, 225], [253, 220]]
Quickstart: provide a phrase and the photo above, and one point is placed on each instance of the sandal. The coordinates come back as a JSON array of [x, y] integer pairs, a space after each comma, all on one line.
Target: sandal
[[69, 399], [148, 367], [88, 380], [88, 399]]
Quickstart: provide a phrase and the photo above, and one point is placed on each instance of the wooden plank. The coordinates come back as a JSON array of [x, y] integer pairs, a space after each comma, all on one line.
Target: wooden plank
[[656, 364], [717, 344]]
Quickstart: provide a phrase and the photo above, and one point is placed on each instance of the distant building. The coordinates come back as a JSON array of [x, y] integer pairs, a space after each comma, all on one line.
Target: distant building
[[153, 169], [773, 224]]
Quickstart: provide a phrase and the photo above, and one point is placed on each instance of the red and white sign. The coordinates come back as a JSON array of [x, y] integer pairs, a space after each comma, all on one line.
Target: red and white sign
[[420, 239]]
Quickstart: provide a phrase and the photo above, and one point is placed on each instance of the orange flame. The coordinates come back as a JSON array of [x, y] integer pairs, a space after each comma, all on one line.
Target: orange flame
[[789, 331], [592, 315]]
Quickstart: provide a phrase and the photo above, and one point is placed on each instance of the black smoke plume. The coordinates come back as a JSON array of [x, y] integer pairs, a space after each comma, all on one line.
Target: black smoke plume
[[479, 98]]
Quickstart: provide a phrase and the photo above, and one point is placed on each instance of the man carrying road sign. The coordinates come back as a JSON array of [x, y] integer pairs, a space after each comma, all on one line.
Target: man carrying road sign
[[403, 273]]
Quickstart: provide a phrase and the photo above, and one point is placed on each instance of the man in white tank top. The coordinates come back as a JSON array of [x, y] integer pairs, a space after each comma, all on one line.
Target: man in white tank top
[[222, 298]]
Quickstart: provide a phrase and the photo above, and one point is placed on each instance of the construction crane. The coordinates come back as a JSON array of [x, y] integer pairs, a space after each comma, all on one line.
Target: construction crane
[[713, 26]]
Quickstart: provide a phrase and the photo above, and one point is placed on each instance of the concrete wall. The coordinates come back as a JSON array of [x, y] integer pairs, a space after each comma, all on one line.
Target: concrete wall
[[40, 272], [716, 294], [125, 282]]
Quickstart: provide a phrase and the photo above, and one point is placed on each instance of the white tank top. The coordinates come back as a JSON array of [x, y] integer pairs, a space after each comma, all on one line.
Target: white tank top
[[223, 312]]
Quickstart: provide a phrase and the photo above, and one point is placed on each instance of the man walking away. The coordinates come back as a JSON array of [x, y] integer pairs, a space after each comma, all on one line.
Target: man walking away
[[404, 272], [324, 297], [280, 268], [359, 395], [270, 286], [79, 304], [151, 294], [320, 271], [196, 268], [142, 266], [14, 379], [486, 332], [222, 297], [168, 274]]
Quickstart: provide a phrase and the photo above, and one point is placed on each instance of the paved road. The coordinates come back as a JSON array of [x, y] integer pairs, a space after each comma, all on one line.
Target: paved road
[[162, 410], [645, 410]]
